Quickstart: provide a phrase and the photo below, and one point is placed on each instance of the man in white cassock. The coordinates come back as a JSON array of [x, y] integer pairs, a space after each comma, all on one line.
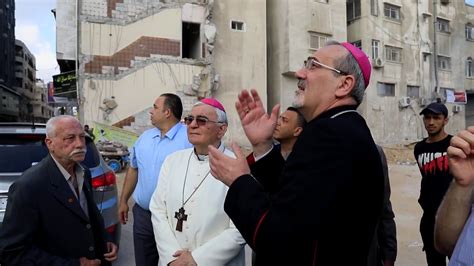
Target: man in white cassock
[[187, 208]]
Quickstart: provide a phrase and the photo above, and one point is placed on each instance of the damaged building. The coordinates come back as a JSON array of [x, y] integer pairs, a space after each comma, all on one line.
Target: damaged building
[[130, 52]]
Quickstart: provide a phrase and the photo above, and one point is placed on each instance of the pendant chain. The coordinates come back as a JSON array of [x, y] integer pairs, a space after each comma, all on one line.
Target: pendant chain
[[186, 177]]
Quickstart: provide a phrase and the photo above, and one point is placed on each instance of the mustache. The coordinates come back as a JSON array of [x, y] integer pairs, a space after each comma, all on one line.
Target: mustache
[[80, 151], [301, 84]]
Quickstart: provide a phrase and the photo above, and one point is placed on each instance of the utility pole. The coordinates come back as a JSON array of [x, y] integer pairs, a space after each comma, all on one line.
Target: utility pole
[[80, 104], [435, 50]]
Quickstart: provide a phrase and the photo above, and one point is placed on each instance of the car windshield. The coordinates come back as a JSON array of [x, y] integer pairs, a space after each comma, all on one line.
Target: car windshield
[[19, 152]]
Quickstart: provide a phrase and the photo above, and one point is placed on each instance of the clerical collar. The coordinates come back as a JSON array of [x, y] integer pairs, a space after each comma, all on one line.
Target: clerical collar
[[205, 157]]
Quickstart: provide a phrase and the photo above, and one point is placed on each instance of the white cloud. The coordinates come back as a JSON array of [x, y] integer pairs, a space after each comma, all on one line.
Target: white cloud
[[42, 50]]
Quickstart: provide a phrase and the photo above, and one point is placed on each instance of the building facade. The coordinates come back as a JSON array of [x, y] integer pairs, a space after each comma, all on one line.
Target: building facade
[[130, 52], [406, 40], [42, 110], [25, 79], [295, 30], [399, 37], [9, 97]]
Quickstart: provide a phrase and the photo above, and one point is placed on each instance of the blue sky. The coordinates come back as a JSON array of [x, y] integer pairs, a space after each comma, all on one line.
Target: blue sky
[[36, 27]]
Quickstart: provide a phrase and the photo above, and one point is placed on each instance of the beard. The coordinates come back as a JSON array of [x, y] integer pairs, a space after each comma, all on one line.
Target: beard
[[298, 99]]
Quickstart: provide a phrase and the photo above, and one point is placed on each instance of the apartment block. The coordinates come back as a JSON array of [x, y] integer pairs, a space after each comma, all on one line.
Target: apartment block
[[9, 97], [405, 40], [25, 79]]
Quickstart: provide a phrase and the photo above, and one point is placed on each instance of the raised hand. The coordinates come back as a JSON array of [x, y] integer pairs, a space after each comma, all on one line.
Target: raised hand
[[461, 157], [225, 168], [257, 124]]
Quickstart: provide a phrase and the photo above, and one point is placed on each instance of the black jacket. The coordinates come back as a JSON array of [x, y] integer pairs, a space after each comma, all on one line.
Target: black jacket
[[322, 206], [44, 223]]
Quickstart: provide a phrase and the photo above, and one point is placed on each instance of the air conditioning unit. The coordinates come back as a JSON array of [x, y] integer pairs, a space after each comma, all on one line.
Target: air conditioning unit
[[457, 108], [377, 62], [423, 102], [404, 102]]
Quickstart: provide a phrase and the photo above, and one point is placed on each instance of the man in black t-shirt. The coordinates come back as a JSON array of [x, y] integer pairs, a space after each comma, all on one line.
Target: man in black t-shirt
[[430, 154]]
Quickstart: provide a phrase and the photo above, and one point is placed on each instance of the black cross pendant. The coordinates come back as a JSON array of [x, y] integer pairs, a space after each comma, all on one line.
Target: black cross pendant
[[181, 216]]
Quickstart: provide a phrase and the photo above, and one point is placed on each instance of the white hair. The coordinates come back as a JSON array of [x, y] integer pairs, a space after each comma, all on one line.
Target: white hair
[[53, 121]]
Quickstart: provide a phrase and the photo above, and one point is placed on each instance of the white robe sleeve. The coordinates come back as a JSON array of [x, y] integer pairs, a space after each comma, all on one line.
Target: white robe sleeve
[[165, 239], [220, 249]]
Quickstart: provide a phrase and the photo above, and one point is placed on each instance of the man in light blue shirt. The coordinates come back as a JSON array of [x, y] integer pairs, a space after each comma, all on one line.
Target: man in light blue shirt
[[454, 230], [148, 154]]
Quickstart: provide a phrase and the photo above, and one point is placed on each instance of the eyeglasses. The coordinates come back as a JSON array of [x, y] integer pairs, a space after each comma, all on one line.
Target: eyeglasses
[[312, 63], [200, 120]]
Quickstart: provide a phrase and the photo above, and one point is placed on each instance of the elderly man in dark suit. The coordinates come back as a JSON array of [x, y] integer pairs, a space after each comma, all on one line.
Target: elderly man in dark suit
[[51, 217]]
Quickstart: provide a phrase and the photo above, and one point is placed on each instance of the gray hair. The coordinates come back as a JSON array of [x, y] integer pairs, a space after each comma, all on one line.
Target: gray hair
[[349, 65], [221, 115], [52, 122]]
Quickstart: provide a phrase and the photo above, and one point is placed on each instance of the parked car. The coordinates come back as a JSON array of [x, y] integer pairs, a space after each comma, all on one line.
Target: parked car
[[22, 146]]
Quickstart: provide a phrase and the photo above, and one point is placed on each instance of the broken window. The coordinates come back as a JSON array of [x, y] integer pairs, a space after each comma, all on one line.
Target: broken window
[[191, 46], [385, 89], [237, 25]]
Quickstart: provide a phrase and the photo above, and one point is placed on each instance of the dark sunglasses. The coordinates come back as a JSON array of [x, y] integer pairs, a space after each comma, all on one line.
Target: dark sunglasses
[[200, 120]]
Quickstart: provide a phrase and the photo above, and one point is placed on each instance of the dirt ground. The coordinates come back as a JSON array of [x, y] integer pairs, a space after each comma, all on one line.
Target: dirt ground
[[405, 183]]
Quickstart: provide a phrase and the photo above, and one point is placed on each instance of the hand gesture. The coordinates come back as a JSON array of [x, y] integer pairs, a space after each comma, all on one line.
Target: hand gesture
[[461, 159], [225, 168], [257, 124]]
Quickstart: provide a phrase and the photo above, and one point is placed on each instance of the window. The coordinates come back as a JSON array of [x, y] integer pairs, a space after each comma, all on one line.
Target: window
[[442, 25], [353, 9], [385, 89], [469, 30], [470, 67], [444, 62], [237, 25], [391, 11], [413, 91], [191, 44], [375, 49], [357, 44], [322, 1], [374, 7], [393, 54], [317, 40]]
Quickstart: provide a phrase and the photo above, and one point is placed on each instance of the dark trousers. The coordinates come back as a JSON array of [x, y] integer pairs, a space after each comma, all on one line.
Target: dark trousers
[[146, 253], [433, 257]]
